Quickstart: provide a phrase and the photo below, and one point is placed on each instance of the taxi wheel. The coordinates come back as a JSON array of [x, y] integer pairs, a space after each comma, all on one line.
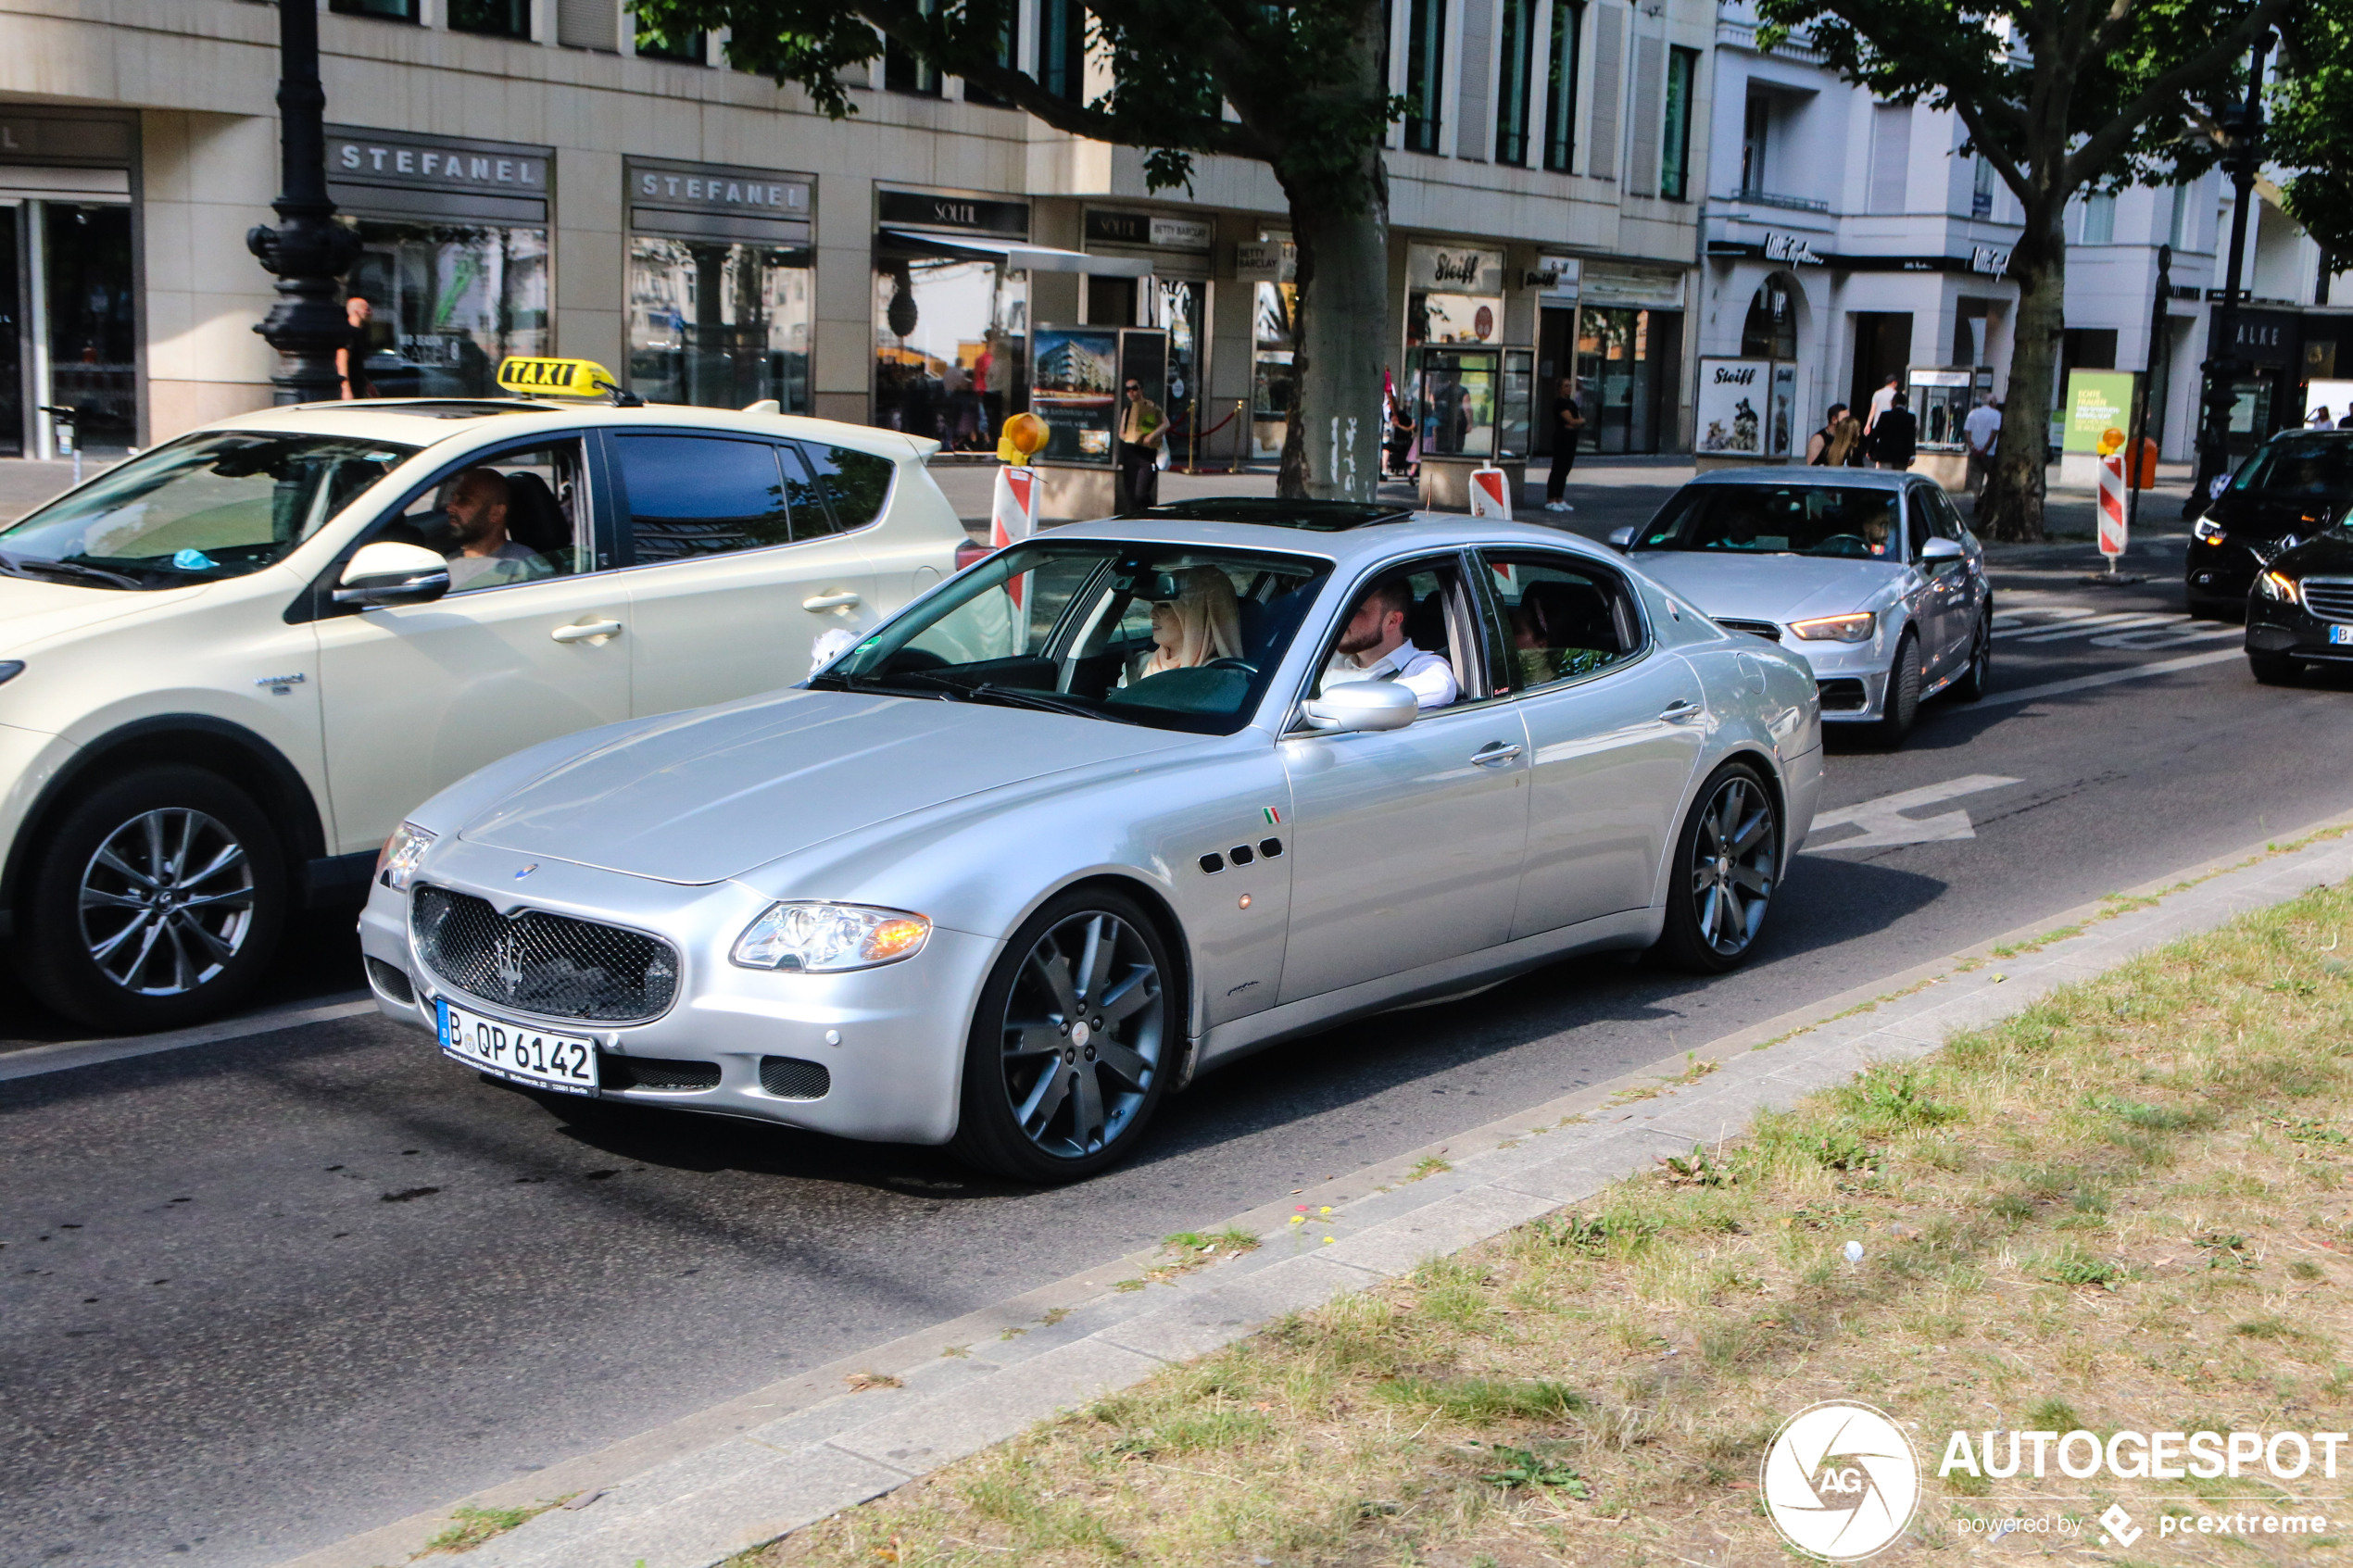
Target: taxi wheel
[[1726, 869], [1072, 1042], [156, 902]]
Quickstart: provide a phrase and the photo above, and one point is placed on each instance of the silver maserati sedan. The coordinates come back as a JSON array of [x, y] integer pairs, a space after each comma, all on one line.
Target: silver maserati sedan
[[1870, 574], [1120, 803]]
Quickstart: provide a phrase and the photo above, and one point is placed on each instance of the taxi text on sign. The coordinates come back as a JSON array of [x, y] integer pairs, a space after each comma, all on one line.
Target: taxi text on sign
[[554, 378]]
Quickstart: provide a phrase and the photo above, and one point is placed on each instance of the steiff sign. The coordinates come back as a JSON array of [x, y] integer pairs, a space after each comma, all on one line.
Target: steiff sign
[[399, 173], [696, 201], [1454, 269]]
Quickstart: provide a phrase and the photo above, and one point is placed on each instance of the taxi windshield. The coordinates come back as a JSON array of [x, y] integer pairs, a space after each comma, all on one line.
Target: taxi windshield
[[1799, 519], [209, 507], [1173, 636]]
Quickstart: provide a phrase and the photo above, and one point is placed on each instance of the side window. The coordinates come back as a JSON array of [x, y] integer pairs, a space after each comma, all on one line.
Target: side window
[[1916, 507], [1943, 520], [855, 485], [1415, 624], [701, 496], [516, 516], [1567, 619]]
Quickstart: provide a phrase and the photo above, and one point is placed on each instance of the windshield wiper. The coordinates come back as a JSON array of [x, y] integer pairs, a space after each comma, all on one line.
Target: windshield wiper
[[19, 567], [955, 692], [1021, 697]]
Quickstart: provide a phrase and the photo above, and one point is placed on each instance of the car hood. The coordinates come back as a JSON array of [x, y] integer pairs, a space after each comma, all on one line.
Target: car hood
[[32, 612], [1776, 588], [2261, 515], [712, 792], [2329, 555]]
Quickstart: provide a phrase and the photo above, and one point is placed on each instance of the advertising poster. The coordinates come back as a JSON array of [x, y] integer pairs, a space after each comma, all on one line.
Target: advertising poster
[[2095, 401], [1733, 399], [1784, 420], [1074, 388]]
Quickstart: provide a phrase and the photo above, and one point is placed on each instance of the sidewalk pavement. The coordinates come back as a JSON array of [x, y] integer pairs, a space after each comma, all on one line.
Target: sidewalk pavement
[[786, 1456]]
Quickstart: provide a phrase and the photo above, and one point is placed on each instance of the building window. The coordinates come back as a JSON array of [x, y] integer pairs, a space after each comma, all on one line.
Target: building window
[[1425, 73], [500, 18], [1770, 330], [1891, 157], [1519, 61], [1560, 87], [904, 70], [2099, 219], [1981, 194], [1008, 56], [389, 10], [1755, 126], [687, 48], [1062, 49], [588, 24], [2184, 217], [1675, 162]]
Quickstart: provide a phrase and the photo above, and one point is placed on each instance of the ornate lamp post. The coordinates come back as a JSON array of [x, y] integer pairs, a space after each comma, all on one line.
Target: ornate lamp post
[[308, 250], [2223, 367]]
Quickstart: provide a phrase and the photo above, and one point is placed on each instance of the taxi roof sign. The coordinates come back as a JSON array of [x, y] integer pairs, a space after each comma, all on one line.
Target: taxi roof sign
[[555, 377]]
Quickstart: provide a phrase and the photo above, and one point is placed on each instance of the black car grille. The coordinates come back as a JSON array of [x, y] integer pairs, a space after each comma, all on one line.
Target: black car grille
[[1842, 696], [1764, 629], [2330, 601], [788, 1077], [537, 963], [654, 1073], [390, 982]]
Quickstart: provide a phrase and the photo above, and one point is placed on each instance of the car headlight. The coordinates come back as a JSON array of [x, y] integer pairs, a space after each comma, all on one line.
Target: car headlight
[[397, 865], [9, 669], [2206, 530], [2278, 585], [829, 937], [1856, 628]]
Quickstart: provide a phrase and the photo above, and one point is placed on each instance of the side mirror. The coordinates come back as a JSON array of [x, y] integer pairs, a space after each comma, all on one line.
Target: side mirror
[[1362, 705], [1937, 550], [1621, 538], [388, 572]]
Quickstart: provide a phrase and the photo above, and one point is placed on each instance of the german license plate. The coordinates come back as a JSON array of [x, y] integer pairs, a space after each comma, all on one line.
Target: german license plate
[[2341, 633], [517, 1052]]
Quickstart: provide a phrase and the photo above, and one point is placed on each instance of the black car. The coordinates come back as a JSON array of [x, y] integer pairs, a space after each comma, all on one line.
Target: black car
[[2294, 486], [2301, 610]]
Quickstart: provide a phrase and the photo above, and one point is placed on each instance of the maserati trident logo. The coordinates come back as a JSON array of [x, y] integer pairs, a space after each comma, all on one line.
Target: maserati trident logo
[[526, 870], [508, 954]]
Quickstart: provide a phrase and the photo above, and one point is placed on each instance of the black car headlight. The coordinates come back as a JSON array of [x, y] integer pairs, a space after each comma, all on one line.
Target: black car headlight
[[2206, 530], [812, 936], [2278, 585]]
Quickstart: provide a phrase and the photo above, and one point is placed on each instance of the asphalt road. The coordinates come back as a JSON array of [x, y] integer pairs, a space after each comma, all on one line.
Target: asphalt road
[[259, 1296]]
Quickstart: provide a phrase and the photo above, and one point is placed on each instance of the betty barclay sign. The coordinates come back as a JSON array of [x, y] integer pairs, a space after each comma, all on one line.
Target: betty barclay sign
[[1454, 269]]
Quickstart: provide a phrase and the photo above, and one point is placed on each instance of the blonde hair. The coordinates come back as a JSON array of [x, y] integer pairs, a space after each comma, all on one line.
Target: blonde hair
[[1208, 623]]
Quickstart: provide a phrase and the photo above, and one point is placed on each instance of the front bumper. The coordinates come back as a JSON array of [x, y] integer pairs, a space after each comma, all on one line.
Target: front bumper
[[893, 1062], [2273, 627], [2218, 574], [1850, 677]]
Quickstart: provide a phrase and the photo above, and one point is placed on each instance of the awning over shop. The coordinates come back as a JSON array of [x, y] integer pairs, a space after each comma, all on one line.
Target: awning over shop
[[1020, 254]]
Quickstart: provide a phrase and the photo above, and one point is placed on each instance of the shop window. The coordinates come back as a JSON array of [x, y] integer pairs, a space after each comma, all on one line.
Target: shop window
[[1675, 154], [449, 301], [1626, 375], [701, 496], [951, 334], [1425, 73], [1770, 331], [719, 325], [688, 47], [500, 18], [389, 10], [92, 332], [1560, 86], [1517, 62], [1274, 374], [1062, 49]]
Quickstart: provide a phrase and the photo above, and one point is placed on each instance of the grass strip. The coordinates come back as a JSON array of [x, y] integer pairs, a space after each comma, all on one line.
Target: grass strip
[[2130, 1207]]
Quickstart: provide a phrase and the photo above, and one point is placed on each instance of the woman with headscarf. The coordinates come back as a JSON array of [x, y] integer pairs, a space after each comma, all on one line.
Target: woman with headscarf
[[1203, 622]]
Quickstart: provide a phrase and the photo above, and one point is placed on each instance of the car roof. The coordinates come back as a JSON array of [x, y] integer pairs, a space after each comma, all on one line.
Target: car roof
[[1345, 547], [1274, 511], [1843, 479], [423, 421]]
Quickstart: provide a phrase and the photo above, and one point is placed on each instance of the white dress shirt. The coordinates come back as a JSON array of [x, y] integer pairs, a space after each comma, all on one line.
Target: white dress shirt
[[1426, 674]]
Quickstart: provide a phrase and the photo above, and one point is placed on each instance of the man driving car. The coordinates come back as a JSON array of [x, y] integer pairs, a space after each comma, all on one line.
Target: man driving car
[[485, 556], [1373, 646]]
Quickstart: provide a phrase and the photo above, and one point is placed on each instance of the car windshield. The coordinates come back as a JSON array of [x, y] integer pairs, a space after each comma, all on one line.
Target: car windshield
[[2301, 468], [209, 507], [1175, 637], [1778, 519]]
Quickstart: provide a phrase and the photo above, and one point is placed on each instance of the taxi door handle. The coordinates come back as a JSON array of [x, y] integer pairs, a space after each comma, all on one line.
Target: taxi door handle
[[837, 601], [581, 631], [1494, 754]]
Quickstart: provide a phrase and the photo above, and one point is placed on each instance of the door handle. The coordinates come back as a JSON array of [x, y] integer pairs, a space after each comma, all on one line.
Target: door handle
[[838, 600], [584, 631], [1680, 711], [1494, 754]]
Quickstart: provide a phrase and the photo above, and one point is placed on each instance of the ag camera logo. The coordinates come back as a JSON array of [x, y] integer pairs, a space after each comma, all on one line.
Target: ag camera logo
[[1840, 1481]]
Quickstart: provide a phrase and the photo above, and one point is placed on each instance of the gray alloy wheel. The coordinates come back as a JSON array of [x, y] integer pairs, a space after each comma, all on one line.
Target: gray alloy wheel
[[1071, 1042], [1902, 704], [1978, 678], [167, 901], [1727, 866]]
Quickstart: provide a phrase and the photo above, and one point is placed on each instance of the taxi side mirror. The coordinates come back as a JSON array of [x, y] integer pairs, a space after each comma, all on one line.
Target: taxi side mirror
[[389, 572], [1362, 705]]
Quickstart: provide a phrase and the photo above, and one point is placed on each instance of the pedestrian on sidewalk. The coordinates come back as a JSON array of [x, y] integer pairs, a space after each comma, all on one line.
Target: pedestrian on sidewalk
[[1886, 397], [1979, 431], [1142, 427], [1568, 428], [1895, 436], [1831, 446]]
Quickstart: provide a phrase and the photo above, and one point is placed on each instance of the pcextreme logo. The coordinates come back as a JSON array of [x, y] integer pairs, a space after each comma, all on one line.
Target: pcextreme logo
[[1840, 1481]]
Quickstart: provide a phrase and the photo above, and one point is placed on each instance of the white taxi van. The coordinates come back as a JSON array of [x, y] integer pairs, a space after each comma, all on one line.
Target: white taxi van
[[228, 665]]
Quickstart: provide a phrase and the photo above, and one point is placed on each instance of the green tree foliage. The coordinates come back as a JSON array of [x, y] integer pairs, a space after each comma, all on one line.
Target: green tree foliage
[[2312, 125], [1301, 79], [2058, 95]]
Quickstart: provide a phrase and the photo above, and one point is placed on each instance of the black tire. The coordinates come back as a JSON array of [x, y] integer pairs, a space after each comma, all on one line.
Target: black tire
[[1059, 1114], [1901, 705], [195, 879], [2275, 669], [1715, 912], [1977, 679]]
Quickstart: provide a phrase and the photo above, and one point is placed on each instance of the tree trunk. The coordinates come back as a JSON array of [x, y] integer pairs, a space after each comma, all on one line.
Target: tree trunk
[[1331, 442], [2012, 507]]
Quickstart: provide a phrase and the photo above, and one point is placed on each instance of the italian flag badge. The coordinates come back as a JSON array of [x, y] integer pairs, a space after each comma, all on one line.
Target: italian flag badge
[[1271, 814]]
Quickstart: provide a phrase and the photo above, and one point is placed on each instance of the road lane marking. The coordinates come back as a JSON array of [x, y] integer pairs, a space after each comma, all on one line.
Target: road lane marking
[[2078, 626], [2109, 677], [33, 1060], [1883, 823]]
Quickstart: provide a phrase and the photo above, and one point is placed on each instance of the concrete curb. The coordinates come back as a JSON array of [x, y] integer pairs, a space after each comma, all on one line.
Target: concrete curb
[[691, 1495]]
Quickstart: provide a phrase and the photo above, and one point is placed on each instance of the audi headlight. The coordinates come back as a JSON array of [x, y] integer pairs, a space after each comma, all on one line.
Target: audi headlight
[[397, 865], [828, 938], [1856, 628], [2206, 530], [2280, 587]]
